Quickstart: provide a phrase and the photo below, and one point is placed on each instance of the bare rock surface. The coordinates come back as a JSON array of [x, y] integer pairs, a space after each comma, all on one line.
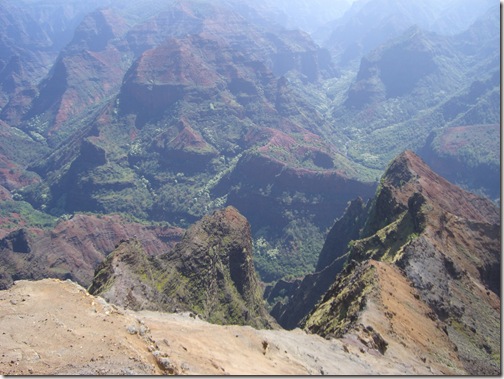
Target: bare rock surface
[[433, 250], [55, 327], [210, 273]]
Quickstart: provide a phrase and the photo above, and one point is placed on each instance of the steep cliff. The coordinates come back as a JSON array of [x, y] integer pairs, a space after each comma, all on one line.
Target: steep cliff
[[301, 296], [210, 272], [468, 156], [444, 245], [73, 248]]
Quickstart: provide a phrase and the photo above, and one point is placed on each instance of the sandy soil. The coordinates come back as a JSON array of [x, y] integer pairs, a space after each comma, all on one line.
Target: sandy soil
[[408, 324], [56, 327]]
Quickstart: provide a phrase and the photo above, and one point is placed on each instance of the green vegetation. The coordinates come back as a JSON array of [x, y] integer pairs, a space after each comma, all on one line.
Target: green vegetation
[[209, 272], [292, 256], [15, 214], [388, 243], [342, 303], [181, 159], [473, 145]]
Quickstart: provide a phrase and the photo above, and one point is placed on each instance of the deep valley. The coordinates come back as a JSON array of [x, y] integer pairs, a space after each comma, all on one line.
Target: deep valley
[[277, 180]]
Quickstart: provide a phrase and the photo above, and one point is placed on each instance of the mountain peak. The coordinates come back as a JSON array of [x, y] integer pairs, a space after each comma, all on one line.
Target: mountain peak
[[446, 243], [210, 272], [409, 174], [97, 29], [401, 168]]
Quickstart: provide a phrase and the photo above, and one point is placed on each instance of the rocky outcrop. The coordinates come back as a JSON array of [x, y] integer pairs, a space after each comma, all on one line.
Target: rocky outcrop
[[123, 277], [74, 333], [373, 305], [187, 151], [445, 244], [339, 309], [393, 71], [17, 241], [95, 52], [74, 248], [332, 188], [210, 272]]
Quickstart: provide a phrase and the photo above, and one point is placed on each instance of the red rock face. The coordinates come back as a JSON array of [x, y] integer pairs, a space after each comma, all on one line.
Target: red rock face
[[426, 239], [263, 169], [75, 247], [220, 49], [324, 193], [188, 139], [177, 62], [449, 197], [161, 76], [12, 176], [79, 92], [90, 69], [453, 258], [293, 146]]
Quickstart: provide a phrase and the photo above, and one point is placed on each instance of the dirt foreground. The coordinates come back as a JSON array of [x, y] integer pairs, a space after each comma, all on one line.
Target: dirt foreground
[[52, 327]]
